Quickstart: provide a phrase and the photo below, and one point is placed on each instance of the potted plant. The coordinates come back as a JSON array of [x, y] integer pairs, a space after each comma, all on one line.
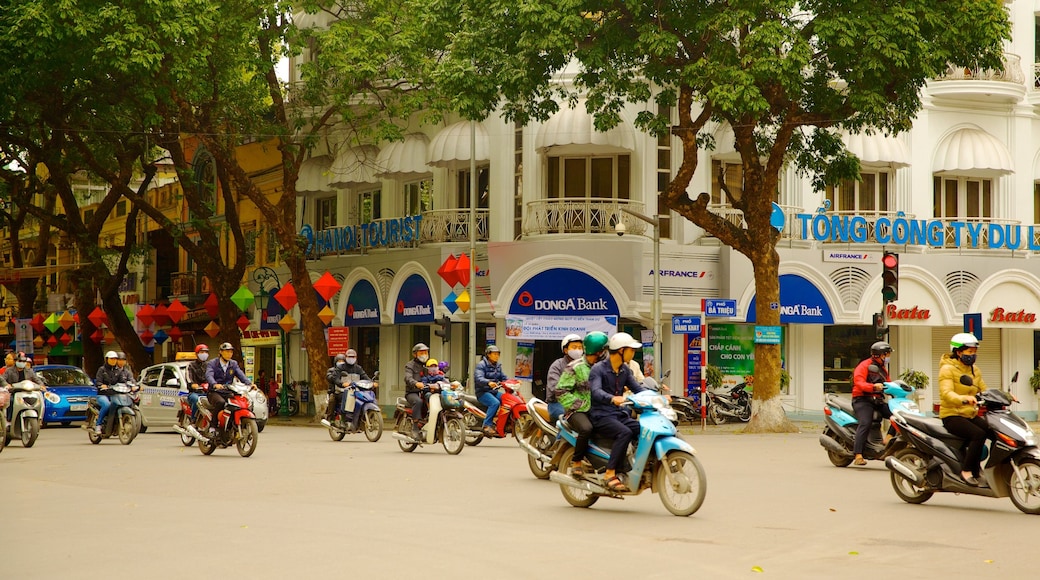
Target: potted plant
[[916, 379], [712, 376], [785, 381], [1034, 380]]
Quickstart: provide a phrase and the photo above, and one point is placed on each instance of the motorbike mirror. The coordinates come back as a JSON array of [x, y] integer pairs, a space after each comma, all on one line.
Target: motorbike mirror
[[375, 376], [966, 380], [651, 384], [1014, 377], [666, 374], [874, 369]]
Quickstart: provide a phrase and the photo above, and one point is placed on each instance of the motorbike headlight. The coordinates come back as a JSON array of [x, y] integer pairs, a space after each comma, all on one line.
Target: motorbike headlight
[[261, 399], [53, 398], [669, 414]]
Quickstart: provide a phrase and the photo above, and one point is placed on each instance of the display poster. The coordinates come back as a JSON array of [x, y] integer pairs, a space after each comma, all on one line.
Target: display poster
[[520, 327], [693, 364], [647, 338], [731, 348], [524, 360], [23, 336]]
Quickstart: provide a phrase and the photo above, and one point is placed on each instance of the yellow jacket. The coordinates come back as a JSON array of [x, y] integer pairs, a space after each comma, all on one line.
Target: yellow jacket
[[952, 393]]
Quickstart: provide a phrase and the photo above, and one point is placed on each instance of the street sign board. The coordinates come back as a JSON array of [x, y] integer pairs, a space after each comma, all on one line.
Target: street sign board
[[720, 307], [686, 325], [767, 334]]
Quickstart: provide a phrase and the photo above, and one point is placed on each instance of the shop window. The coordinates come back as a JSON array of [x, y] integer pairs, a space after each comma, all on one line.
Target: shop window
[[518, 181], [370, 206], [326, 211], [869, 195], [590, 177], [121, 209], [962, 198], [1036, 203], [250, 237], [844, 347], [462, 188], [272, 246], [734, 179]]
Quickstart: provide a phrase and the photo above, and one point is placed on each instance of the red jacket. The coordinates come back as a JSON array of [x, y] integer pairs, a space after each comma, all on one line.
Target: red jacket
[[863, 380]]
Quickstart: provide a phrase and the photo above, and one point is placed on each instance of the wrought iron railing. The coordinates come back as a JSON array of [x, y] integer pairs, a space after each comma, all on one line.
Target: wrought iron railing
[[1012, 72], [452, 225], [581, 215]]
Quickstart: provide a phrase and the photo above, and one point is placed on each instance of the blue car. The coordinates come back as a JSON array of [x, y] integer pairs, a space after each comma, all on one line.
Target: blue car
[[68, 392]]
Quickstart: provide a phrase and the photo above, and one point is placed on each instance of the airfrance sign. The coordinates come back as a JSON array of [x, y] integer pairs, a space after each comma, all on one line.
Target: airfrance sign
[[563, 292], [901, 231], [382, 233]]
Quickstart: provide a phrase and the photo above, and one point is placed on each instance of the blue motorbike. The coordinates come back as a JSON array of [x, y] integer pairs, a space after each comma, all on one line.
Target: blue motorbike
[[660, 461], [839, 434], [357, 412]]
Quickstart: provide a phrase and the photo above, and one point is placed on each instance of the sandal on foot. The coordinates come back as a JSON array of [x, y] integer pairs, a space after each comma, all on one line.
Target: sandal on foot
[[614, 484], [859, 461], [577, 470]]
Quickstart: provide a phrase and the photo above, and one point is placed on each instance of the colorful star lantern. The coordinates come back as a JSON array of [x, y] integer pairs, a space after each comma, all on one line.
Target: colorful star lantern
[[175, 334], [212, 329], [147, 337], [212, 305], [37, 323], [52, 342], [242, 298], [327, 286], [463, 301], [160, 316], [109, 337], [176, 311], [98, 317], [161, 336], [447, 271], [326, 315], [286, 296], [242, 323], [131, 311], [97, 336], [462, 269], [52, 323], [66, 339], [66, 320], [449, 302], [144, 315], [287, 323], [75, 317], [38, 341]]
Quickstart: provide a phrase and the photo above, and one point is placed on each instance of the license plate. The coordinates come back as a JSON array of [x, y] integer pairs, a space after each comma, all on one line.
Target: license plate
[[78, 407]]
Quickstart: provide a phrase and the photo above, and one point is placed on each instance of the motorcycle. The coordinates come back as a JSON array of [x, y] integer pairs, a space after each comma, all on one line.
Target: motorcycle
[[736, 404], [26, 409], [511, 416], [185, 425], [934, 458], [473, 417], [288, 400], [661, 462], [445, 423], [358, 411], [121, 419], [839, 434], [235, 423], [540, 438]]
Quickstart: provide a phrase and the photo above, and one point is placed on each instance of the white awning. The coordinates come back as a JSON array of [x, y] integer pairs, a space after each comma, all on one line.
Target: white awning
[[725, 145], [573, 130], [355, 166], [314, 176], [450, 147], [403, 158], [878, 149], [972, 153]]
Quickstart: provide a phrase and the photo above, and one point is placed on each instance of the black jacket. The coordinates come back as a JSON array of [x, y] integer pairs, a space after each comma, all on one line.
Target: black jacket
[[414, 372], [196, 373], [110, 375], [335, 375]]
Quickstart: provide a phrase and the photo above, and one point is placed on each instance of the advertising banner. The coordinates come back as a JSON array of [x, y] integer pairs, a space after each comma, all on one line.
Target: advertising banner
[[731, 348], [23, 336], [524, 360], [556, 327], [647, 338]]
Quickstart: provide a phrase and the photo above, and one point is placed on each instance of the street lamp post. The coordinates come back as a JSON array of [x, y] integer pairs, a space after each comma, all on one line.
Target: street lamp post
[[655, 307], [262, 275]]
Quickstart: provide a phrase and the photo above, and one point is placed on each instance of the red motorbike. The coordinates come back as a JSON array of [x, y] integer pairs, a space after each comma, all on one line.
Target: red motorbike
[[235, 423], [512, 414]]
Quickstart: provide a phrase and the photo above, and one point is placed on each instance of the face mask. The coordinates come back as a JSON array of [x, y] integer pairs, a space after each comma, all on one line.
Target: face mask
[[341, 365], [203, 356], [423, 358], [575, 353], [351, 360], [968, 359], [20, 364]]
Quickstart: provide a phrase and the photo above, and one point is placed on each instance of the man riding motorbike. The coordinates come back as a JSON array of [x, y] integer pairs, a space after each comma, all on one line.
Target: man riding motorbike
[[414, 372], [486, 377], [109, 374], [572, 351], [197, 378], [345, 368], [19, 371], [576, 398], [607, 382], [219, 372], [867, 396]]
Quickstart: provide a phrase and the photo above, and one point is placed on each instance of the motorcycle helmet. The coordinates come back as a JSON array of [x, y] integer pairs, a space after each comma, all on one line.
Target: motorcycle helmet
[[201, 348], [108, 355], [963, 340], [351, 352], [595, 342], [880, 348], [491, 348], [443, 366], [418, 347], [623, 340], [121, 355], [567, 340], [341, 358], [432, 362], [226, 346]]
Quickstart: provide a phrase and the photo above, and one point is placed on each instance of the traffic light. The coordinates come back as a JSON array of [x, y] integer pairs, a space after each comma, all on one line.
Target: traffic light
[[880, 330], [445, 328], [890, 277]]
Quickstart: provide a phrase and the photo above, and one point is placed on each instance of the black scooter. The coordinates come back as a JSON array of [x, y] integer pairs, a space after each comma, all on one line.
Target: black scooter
[[935, 457]]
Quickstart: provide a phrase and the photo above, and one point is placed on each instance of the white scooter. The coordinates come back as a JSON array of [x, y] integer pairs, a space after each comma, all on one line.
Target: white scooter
[[445, 422], [26, 410]]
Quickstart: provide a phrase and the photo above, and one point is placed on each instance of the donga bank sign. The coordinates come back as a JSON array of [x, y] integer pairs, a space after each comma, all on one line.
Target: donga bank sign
[[563, 292], [902, 231]]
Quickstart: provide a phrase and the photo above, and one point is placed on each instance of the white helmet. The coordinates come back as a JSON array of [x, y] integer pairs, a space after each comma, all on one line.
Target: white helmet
[[111, 354], [963, 340], [623, 340], [567, 340]]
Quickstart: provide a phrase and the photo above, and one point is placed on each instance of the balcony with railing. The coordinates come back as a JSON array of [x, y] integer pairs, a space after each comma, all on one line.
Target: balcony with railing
[[451, 225], [185, 285], [581, 215], [736, 217], [982, 84]]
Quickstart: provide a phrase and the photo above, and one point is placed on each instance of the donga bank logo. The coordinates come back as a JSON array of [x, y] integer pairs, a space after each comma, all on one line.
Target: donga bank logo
[[576, 304], [364, 313], [420, 310], [801, 310]]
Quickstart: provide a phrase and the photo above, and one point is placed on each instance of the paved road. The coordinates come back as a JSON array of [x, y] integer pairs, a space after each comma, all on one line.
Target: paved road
[[304, 505]]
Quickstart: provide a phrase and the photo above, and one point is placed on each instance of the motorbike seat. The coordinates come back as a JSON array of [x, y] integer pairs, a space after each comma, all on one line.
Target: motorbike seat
[[841, 403], [542, 410], [934, 427]]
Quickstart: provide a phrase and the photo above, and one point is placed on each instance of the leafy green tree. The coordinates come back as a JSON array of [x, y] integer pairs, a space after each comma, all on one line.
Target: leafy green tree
[[786, 75]]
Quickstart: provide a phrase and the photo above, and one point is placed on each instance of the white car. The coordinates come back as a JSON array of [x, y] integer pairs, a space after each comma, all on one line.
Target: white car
[[162, 386]]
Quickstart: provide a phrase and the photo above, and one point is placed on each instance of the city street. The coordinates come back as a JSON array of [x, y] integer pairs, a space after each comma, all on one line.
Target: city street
[[304, 505]]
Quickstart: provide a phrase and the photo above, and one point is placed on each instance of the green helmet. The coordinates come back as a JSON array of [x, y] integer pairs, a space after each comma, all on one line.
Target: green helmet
[[595, 341]]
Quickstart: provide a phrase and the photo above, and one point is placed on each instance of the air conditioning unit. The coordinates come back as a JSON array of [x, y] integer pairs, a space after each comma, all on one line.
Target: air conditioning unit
[[207, 286]]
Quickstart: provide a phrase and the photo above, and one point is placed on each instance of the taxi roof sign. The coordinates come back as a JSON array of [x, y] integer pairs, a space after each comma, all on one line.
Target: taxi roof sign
[[185, 355]]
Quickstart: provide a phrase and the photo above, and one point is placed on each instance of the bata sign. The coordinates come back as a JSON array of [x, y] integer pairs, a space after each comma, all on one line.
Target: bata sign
[[1001, 315], [914, 313]]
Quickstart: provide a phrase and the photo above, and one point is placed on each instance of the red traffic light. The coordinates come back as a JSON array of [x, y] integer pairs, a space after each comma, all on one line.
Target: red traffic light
[[890, 277], [890, 260]]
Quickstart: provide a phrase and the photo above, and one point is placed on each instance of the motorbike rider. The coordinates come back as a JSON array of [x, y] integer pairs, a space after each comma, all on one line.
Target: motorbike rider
[[414, 373], [121, 363], [222, 371], [109, 374], [486, 377], [867, 396], [958, 407], [607, 382], [575, 397], [344, 369], [197, 379], [572, 351], [20, 370]]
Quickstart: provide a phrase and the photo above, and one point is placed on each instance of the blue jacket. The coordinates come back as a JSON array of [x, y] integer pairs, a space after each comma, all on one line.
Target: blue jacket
[[605, 384], [487, 372], [216, 375]]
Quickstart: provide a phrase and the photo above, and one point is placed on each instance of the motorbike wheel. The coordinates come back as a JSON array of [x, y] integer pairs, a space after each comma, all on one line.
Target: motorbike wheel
[[404, 426], [1025, 492], [249, 436], [373, 425], [837, 459], [574, 496], [905, 488], [31, 431], [541, 441], [454, 436], [127, 429], [3, 430], [335, 433], [680, 482], [294, 407], [714, 416], [207, 447], [473, 425], [139, 426], [744, 411], [521, 425], [260, 426], [186, 440]]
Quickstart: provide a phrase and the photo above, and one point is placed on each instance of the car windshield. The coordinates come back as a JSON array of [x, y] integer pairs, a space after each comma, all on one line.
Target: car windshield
[[65, 377]]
